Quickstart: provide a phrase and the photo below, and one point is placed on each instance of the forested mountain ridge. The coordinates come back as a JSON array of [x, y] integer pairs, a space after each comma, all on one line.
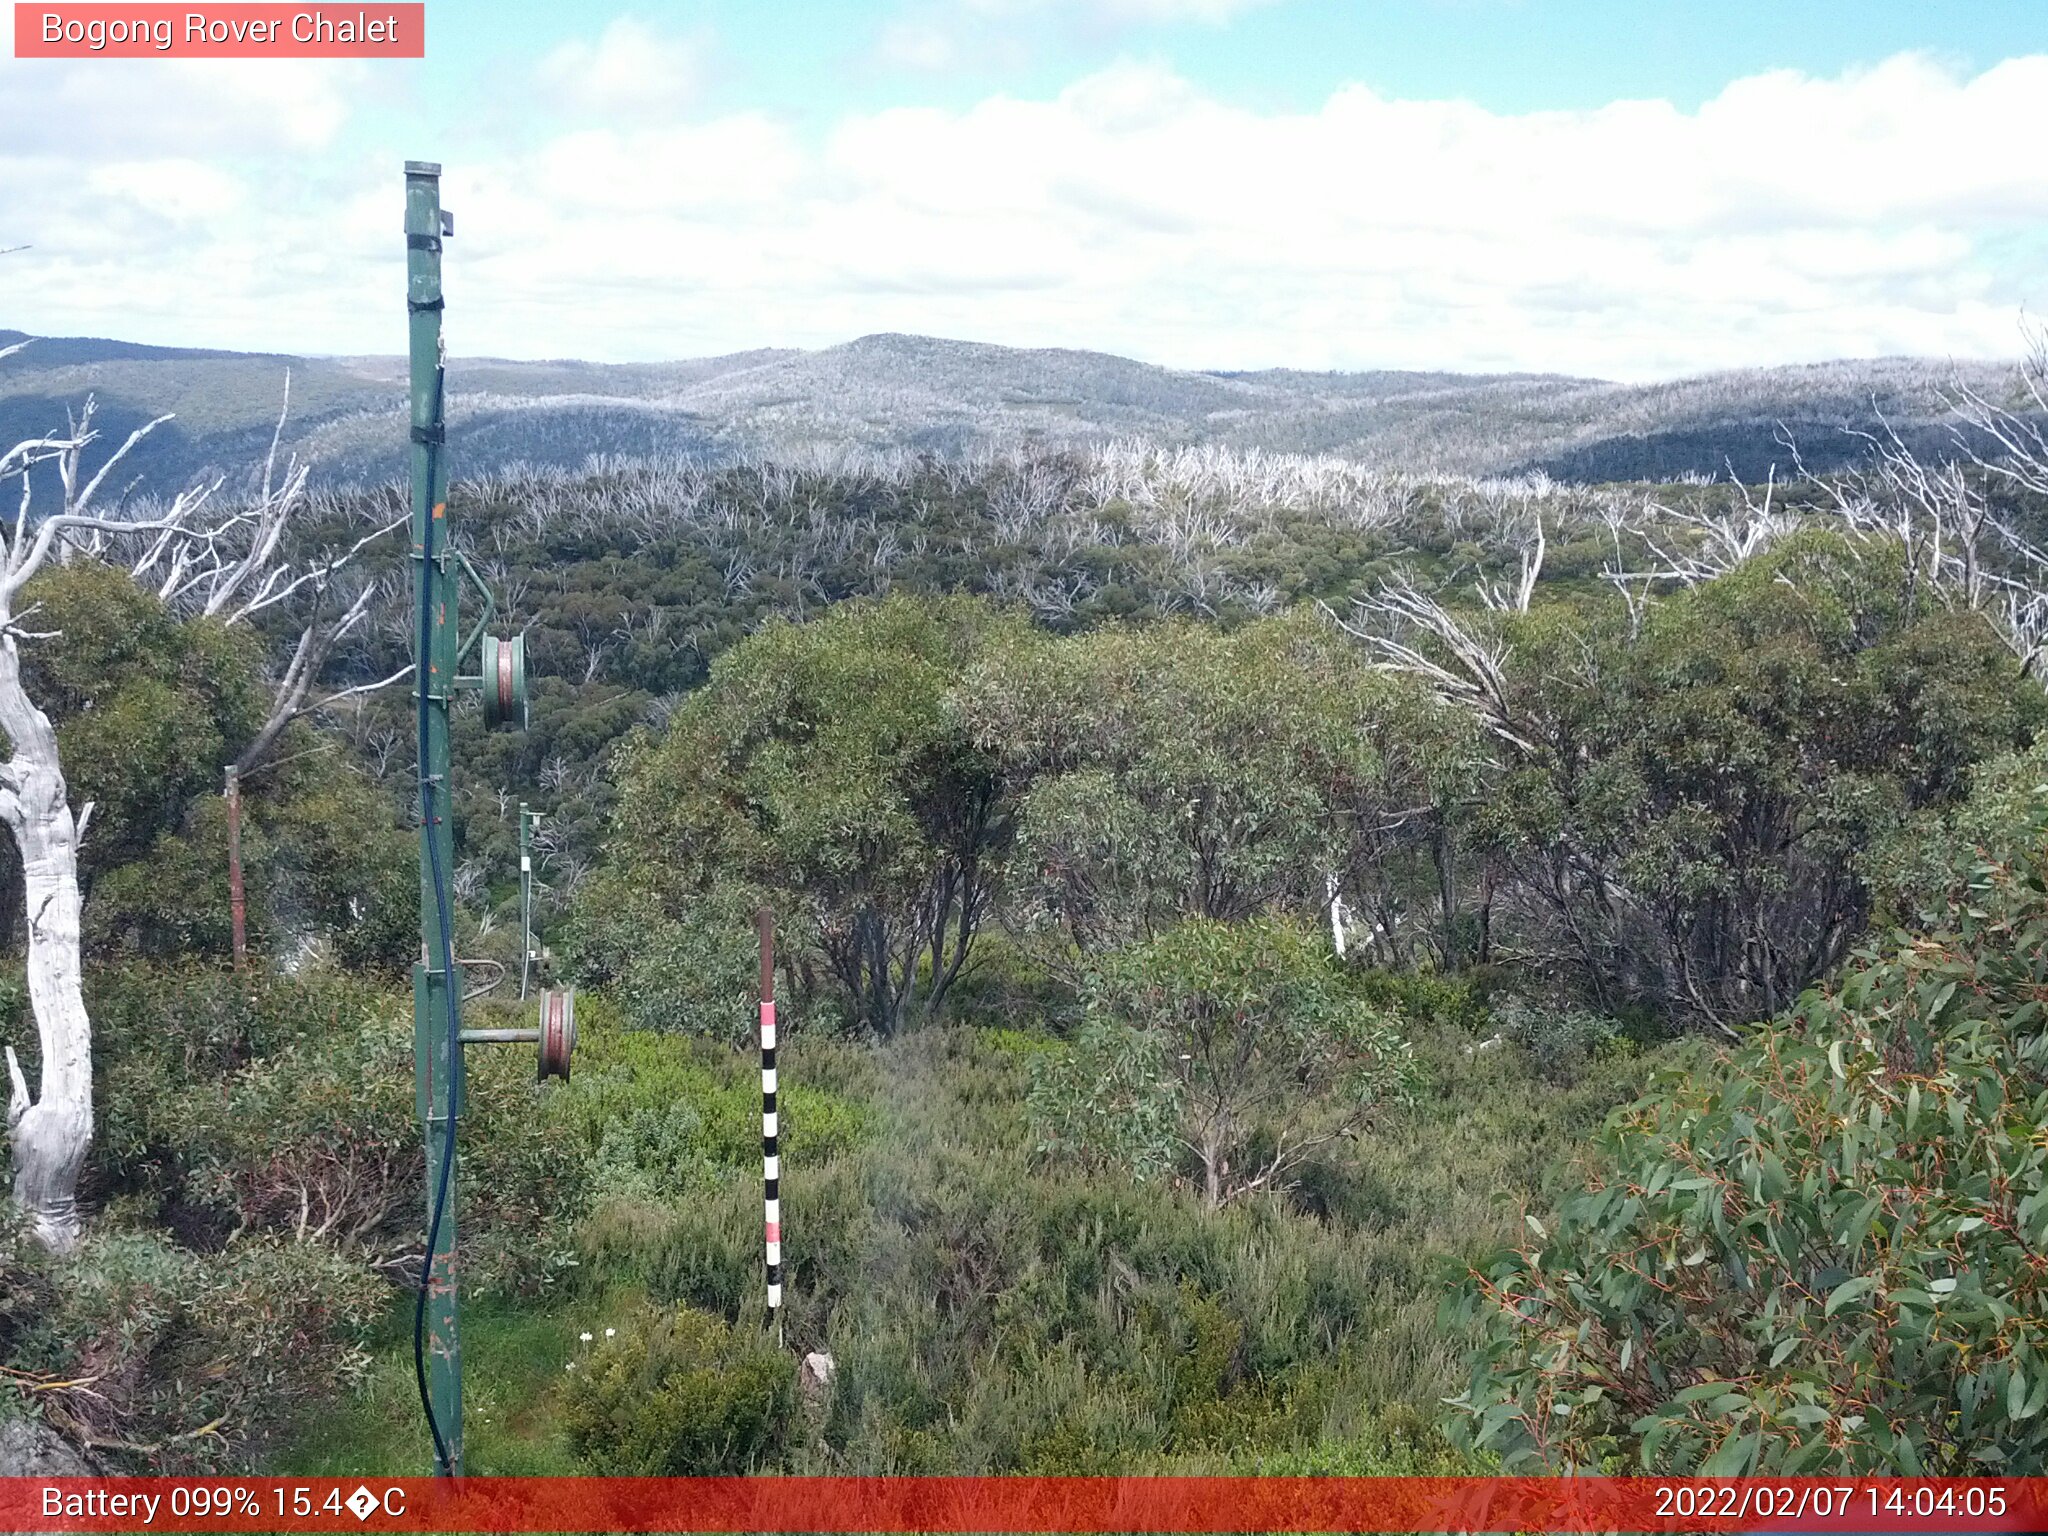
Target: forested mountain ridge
[[925, 394]]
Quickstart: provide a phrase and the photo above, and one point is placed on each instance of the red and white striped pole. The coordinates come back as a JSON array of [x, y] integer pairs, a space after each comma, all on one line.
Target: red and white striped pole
[[771, 1160]]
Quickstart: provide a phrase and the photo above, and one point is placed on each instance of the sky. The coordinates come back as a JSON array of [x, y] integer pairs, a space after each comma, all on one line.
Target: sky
[[1632, 190]]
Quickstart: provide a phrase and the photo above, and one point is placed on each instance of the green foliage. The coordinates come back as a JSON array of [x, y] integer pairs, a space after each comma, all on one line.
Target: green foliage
[[336, 860], [818, 769], [158, 1355], [1927, 864], [696, 975], [1179, 771], [990, 1311], [1698, 824], [238, 1103], [1822, 1257], [660, 1118], [1451, 1002], [1561, 1040], [679, 1393], [1690, 821], [1110, 1098], [149, 710], [147, 707], [514, 1351], [1236, 1042], [165, 1036]]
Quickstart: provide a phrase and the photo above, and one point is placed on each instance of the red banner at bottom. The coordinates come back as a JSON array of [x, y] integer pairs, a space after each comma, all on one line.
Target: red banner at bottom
[[1077, 1504]]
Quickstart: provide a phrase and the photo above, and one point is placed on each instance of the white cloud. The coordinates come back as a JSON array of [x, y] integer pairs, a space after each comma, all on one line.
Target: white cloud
[[1789, 218], [178, 191], [107, 108], [939, 36], [631, 72]]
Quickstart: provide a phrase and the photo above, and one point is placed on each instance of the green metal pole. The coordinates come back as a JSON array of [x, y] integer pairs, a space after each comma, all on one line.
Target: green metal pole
[[437, 1057]]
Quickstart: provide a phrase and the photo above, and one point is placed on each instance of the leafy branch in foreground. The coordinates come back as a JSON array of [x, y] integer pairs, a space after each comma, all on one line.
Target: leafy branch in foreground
[[1831, 1255]]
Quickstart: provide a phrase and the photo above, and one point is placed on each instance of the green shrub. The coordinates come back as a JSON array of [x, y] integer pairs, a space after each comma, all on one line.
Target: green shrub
[[1234, 1041], [1561, 1040], [1007, 987], [1423, 997], [695, 973], [246, 1102], [181, 1050], [178, 1359], [1922, 869], [663, 1117], [1823, 1257], [680, 1394]]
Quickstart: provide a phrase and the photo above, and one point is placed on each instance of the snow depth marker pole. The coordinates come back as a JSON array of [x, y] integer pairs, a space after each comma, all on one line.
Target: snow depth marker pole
[[238, 903], [771, 1160]]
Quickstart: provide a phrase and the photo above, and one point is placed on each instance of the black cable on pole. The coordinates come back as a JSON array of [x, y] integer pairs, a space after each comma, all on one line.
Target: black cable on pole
[[443, 1465]]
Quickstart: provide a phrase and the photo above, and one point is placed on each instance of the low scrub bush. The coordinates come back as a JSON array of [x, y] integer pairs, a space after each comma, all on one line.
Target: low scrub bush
[[160, 1357], [663, 1118], [992, 1312], [1233, 1049], [1561, 1041], [680, 1393]]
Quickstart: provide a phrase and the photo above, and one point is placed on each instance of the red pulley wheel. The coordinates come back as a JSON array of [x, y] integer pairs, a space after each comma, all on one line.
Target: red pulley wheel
[[557, 1032], [504, 681]]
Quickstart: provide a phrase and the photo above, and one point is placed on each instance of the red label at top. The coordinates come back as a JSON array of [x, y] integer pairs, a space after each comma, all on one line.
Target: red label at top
[[232, 31]]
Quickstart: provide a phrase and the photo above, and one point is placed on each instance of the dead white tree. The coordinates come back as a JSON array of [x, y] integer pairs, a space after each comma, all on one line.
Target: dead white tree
[[223, 562], [49, 1132], [241, 570], [1957, 517], [1501, 598], [1409, 631]]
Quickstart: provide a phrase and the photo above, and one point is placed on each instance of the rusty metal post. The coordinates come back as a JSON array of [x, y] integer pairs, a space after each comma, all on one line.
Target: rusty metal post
[[238, 907]]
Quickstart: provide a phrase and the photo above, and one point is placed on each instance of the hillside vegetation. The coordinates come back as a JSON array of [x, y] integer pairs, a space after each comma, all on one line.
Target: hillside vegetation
[[919, 394], [1230, 902]]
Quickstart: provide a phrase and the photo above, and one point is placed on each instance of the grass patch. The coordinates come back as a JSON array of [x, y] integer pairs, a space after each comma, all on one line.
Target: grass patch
[[991, 1310], [514, 1357]]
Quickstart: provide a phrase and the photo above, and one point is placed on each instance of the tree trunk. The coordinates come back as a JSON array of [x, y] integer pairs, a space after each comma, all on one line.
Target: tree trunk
[[1212, 1174], [48, 1136]]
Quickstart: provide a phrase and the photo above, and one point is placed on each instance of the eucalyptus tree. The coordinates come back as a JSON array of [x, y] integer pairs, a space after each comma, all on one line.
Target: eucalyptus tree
[[1820, 1252], [821, 769], [1178, 771], [1690, 792], [1233, 1046]]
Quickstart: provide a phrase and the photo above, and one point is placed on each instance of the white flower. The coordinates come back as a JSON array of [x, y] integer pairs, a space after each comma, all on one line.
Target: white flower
[[609, 1332], [584, 1337], [570, 1366]]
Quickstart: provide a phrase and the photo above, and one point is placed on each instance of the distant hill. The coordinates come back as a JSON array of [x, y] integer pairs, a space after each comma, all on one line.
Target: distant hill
[[921, 393]]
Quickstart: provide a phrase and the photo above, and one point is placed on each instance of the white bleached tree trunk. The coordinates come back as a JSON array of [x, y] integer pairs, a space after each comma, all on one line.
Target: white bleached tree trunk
[[49, 1134], [230, 560]]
